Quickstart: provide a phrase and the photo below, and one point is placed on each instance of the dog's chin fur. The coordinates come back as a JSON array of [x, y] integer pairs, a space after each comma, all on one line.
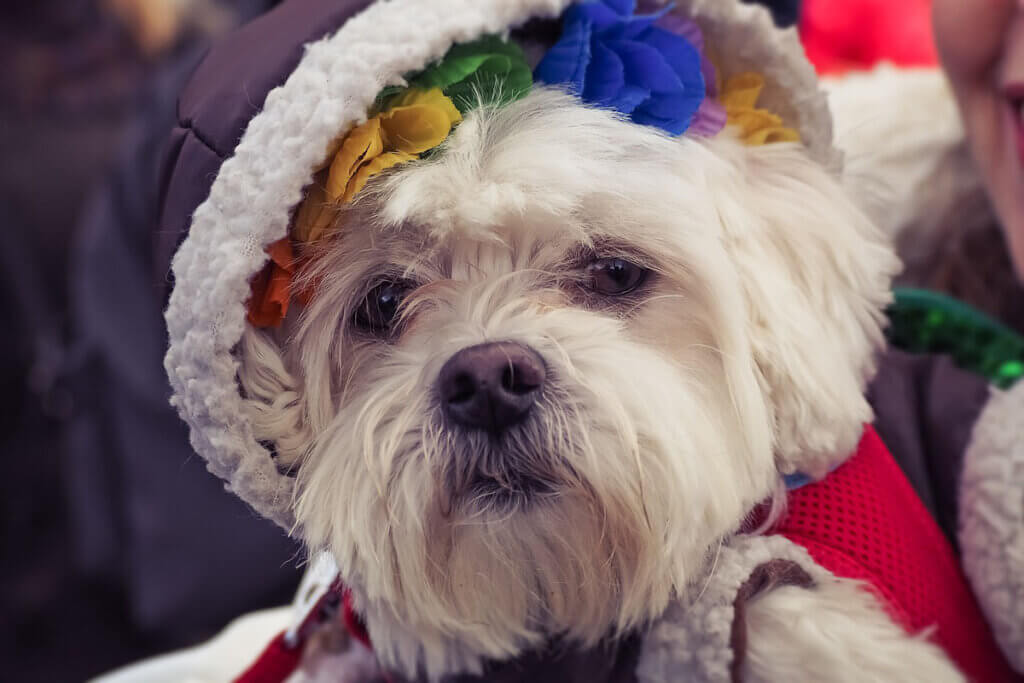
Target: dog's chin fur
[[668, 414]]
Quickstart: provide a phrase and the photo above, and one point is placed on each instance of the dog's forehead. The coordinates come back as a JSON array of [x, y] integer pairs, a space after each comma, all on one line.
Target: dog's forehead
[[518, 241], [492, 248], [544, 169]]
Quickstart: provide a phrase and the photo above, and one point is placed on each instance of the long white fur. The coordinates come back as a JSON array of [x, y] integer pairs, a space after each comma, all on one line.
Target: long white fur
[[835, 632], [665, 421]]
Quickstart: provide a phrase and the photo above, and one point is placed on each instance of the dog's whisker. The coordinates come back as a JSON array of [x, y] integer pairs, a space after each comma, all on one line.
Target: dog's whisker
[[711, 572]]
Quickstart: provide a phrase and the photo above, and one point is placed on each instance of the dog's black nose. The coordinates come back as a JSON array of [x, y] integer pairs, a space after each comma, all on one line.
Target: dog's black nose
[[491, 386]]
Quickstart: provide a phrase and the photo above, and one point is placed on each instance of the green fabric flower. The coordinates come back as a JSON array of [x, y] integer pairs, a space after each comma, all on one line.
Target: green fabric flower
[[488, 70]]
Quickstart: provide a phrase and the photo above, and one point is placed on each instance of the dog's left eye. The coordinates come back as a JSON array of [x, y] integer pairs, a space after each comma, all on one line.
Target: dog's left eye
[[379, 309], [615, 276]]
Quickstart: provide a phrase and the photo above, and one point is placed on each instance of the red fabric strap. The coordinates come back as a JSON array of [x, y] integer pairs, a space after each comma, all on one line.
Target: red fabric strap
[[280, 658], [275, 664], [355, 625]]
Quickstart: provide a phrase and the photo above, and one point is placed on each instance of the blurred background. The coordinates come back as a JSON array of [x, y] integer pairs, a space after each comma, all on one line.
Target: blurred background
[[116, 542]]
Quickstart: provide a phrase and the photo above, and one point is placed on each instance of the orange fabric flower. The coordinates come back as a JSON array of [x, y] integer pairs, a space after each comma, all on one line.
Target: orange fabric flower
[[411, 123], [271, 289]]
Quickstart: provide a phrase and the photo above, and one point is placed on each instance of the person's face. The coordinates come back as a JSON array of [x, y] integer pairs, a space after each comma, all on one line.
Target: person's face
[[981, 43]]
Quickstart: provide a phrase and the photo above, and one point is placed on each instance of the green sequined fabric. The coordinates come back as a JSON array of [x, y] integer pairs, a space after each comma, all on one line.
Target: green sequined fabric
[[927, 322]]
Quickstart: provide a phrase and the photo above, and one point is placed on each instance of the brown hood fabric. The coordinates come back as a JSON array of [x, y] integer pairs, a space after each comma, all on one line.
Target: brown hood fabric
[[226, 91]]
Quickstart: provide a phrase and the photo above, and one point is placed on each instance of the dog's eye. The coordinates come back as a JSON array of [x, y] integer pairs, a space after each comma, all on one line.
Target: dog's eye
[[615, 276], [379, 309]]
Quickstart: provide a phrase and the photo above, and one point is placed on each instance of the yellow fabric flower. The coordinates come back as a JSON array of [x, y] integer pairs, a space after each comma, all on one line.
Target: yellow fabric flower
[[756, 126], [411, 123]]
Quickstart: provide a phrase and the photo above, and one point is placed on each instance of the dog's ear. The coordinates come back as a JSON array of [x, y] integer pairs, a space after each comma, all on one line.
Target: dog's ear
[[273, 398], [815, 275]]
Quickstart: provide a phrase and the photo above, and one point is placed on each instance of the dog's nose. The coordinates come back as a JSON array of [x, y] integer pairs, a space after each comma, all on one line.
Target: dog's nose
[[491, 386]]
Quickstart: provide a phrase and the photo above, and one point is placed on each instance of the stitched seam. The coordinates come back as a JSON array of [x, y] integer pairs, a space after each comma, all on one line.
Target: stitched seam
[[190, 128]]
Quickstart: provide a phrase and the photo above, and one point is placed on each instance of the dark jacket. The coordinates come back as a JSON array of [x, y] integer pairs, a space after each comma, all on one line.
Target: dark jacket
[[226, 91], [147, 520], [925, 410]]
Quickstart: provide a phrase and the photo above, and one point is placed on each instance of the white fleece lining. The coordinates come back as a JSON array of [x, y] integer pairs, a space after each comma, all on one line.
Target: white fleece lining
[[330, 91], [992, 518], [694, 633]]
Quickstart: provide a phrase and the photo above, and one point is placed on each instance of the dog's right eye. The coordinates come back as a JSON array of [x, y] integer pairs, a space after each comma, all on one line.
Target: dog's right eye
[[615, 276], [379, 310]]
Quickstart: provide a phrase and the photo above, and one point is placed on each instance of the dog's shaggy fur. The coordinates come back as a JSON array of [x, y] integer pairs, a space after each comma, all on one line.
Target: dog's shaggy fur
[[836, 633], [667, 415]]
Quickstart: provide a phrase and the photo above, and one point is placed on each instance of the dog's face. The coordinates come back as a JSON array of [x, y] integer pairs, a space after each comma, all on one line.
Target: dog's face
[[547, 369]]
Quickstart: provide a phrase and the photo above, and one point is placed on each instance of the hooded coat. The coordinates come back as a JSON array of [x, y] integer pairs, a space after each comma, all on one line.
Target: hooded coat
[[248, 133]]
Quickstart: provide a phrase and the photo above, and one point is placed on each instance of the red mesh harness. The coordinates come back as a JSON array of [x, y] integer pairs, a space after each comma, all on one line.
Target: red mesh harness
[[865, 521]]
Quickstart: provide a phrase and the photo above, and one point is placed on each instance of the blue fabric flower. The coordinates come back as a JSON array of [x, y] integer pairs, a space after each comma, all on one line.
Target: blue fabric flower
[[614, 58]]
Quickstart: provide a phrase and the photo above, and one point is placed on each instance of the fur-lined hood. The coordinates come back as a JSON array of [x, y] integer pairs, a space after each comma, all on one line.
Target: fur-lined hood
[[254, 124]]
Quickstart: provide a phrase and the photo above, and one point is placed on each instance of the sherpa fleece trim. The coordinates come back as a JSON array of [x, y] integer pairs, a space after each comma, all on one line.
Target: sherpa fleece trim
[[692, 641], [742, 37], [992, 518], [250, 204], [700, 638], [330, 91]]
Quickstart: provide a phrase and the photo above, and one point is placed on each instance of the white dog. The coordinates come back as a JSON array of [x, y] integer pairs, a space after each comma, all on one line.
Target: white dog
[[551, 369], [554, 308]]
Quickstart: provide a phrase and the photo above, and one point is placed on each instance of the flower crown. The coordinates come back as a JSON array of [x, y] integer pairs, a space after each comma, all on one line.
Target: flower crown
[[651, 68]]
